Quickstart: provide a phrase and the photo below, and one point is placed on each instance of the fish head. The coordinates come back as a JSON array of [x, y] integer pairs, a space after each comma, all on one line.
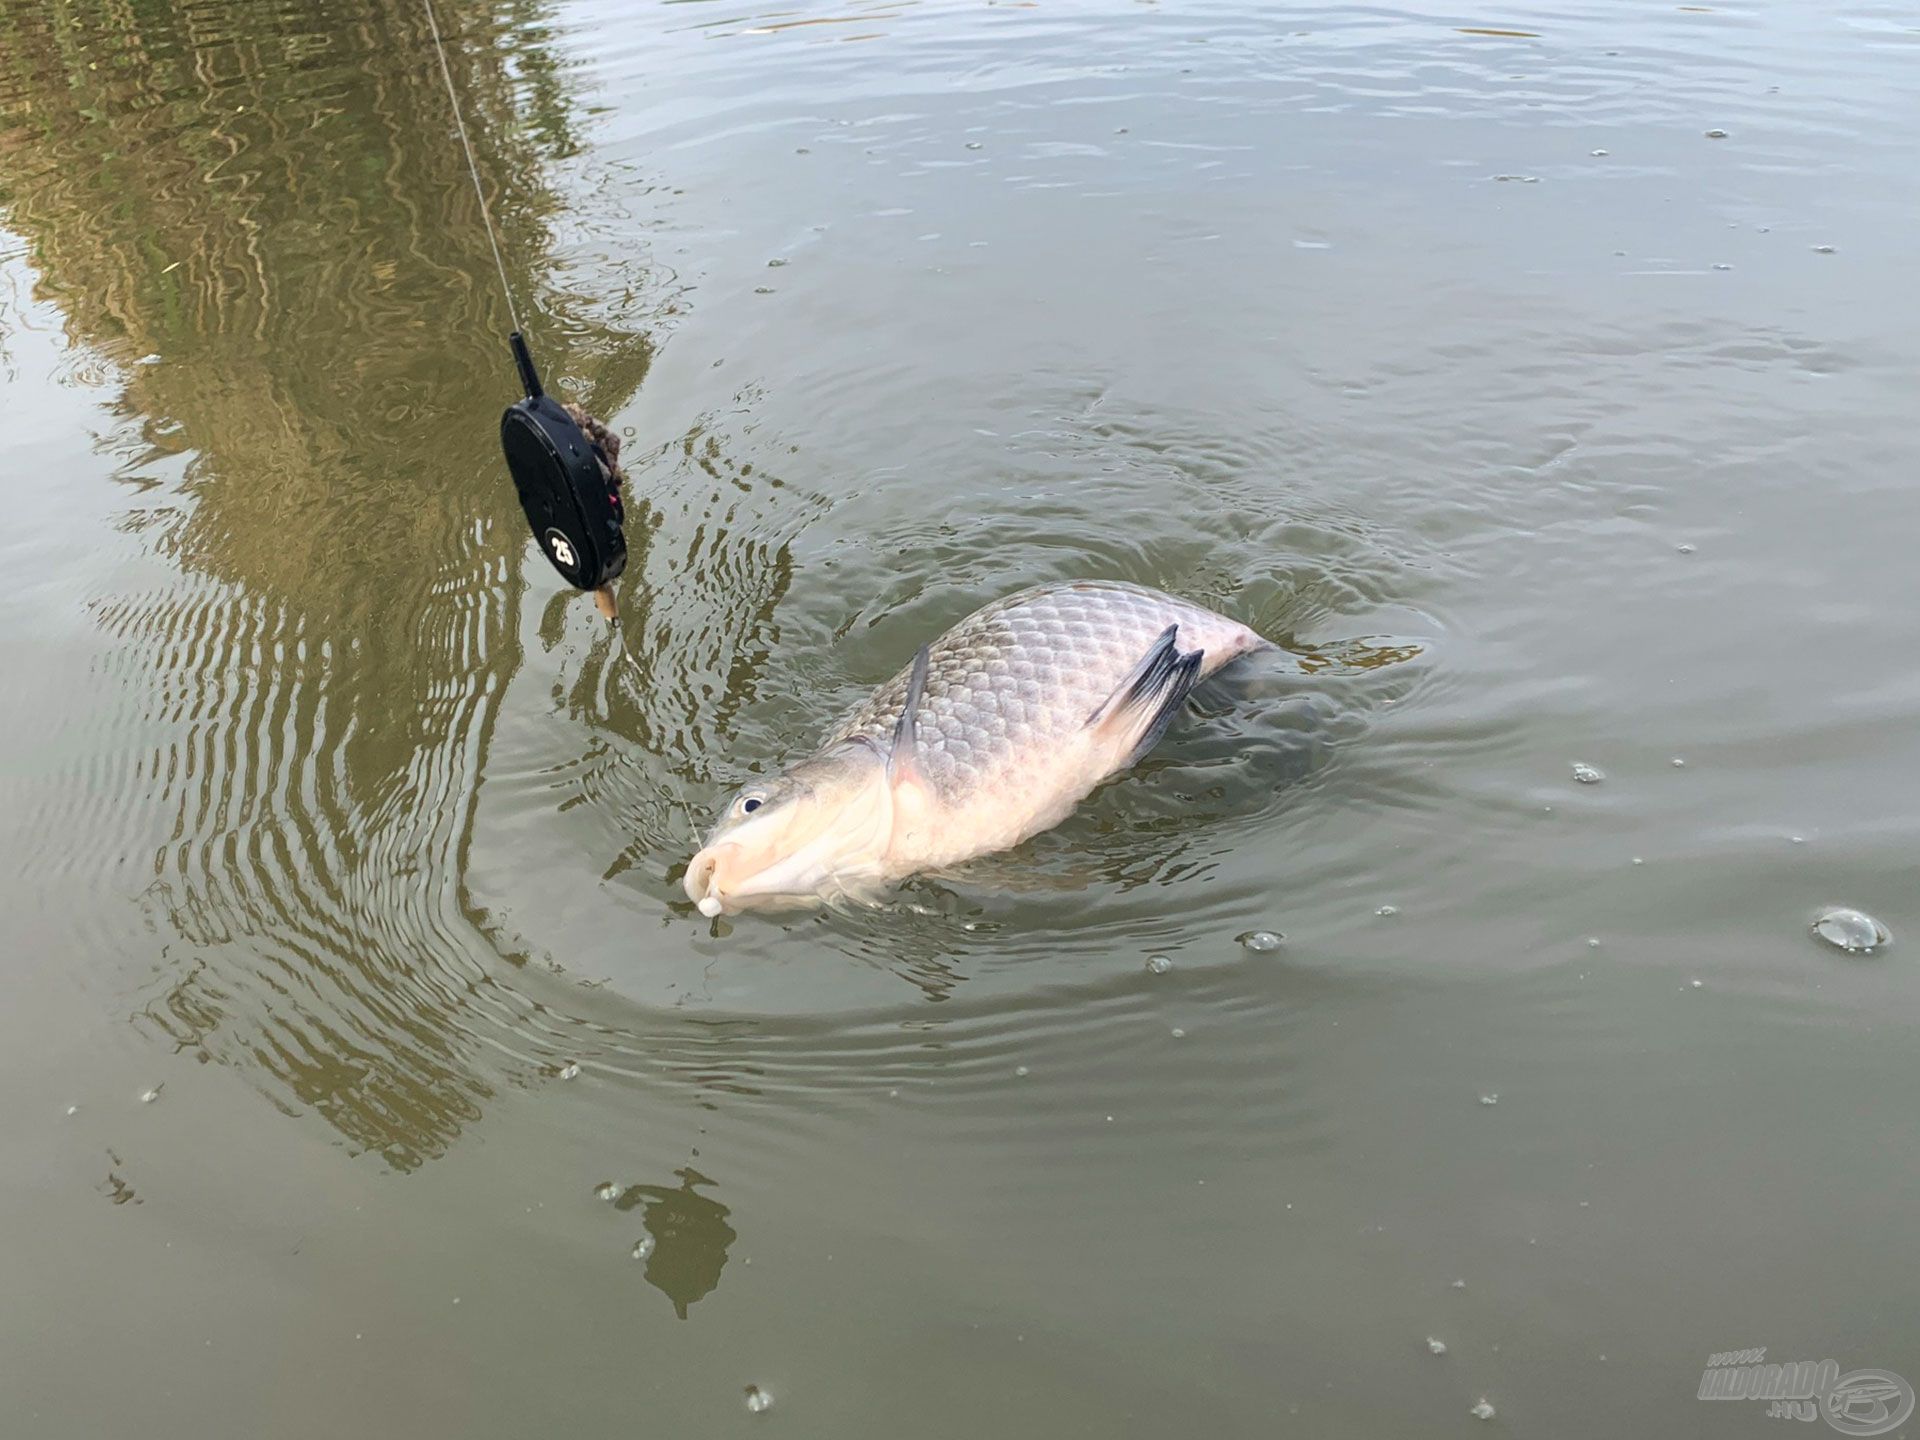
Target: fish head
[[817, 830]]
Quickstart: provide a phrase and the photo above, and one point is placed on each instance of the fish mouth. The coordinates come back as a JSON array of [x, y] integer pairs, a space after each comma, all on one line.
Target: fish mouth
[[720, 880]]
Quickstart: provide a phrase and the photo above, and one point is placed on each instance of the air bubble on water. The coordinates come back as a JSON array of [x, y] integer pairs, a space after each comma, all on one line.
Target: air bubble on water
[[1796, 839], [1588, 774], [73, 1109], [1436, 1345], [1721, 265], [1593, 942], [1716, 134], [1823, 249], [758, 1400], [1677, 763], [973, 144], [606, 1190], [1021, 1071], [1178, 1033], [1261, 941], [1492, 1097], [570, 1070], [1388, 910], [149, 1096], [1596, 153], [1686, 549], [1854, 931], [1639, 860], [1696, 984], [1482, 1410], [1458, 1285], [775, 263], [763, 290], [643, 1247], [1159, 964]]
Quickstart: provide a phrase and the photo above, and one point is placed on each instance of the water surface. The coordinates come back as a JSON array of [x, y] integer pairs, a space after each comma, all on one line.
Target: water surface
[[1546, 395]]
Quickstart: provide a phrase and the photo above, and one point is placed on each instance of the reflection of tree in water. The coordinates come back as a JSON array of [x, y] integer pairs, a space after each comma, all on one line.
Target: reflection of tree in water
[[1347, 657], [690, 1237], [260, 210]]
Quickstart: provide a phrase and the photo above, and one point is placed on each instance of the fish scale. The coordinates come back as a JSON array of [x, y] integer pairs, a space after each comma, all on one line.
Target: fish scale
[[1020, 675]]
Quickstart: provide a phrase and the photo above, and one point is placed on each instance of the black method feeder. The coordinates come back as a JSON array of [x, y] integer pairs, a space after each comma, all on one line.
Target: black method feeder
[[565, 464]]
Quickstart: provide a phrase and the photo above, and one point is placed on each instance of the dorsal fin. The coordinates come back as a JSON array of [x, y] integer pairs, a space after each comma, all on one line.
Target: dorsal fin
[[1143, 704], [906, 731]]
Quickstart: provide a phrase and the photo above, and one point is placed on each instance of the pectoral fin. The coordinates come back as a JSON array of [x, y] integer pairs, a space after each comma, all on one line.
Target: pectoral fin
[[1142, 706], [902, 758]]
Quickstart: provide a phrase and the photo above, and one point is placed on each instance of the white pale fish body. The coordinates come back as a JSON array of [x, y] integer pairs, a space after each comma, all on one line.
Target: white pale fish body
[[995, 732]]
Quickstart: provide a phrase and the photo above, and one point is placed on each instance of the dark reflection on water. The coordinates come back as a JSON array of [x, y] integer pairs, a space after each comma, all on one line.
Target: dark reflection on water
[[259, 213], [690, 1236]]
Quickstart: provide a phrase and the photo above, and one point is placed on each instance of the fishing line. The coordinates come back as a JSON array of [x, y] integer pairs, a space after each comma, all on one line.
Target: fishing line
[[565, 464], [473, 169]]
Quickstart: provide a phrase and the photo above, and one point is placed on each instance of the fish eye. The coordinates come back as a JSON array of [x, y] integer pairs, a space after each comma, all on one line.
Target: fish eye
[[750, 804]]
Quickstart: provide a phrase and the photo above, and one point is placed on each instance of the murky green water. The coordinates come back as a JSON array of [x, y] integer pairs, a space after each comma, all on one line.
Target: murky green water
[[1541, 426]]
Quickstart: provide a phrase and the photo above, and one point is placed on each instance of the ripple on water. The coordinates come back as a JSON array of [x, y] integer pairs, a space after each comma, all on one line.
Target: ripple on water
[[828, 598]]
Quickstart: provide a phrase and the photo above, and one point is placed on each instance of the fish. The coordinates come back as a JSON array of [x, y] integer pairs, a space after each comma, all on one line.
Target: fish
[[992, 734]]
